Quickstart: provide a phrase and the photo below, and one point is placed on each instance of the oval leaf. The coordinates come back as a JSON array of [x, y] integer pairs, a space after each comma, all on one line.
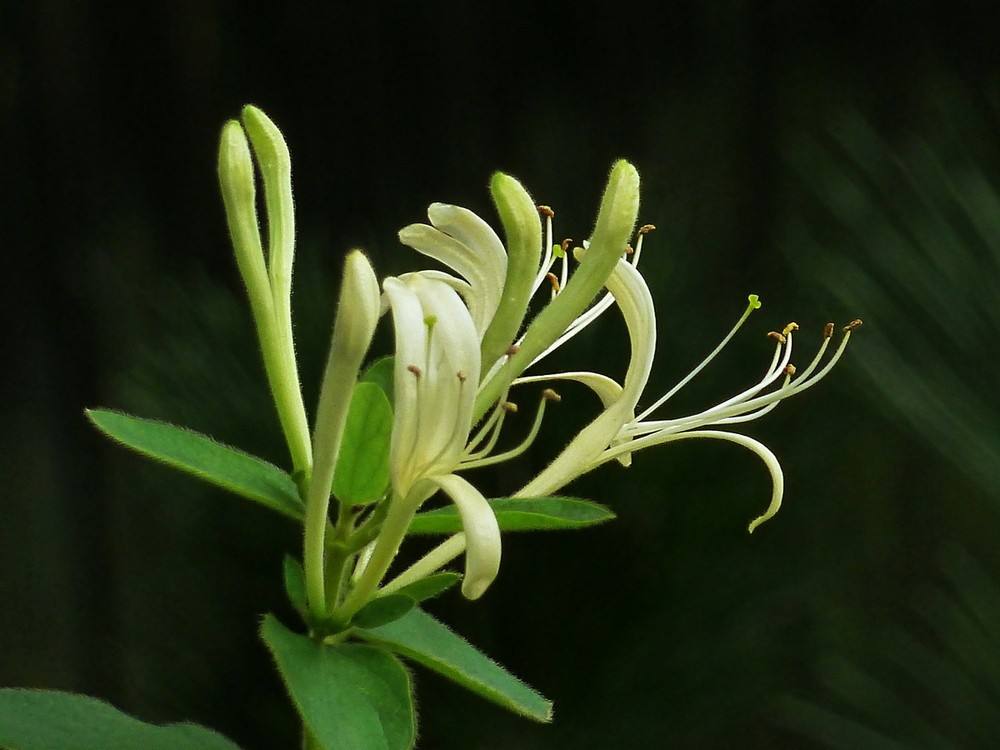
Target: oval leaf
[[362, 473], [53, 720], [350, 697], [383, 610], [381, 372], [520, 514], [431, 586], [199, 455], [420, 637]]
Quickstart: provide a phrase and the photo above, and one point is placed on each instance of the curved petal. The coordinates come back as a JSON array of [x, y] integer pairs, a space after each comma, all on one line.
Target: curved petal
[[459, 257], [633, 298], [482, 534]]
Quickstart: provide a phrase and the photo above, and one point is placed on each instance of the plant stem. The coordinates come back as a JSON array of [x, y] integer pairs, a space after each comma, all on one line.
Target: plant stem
[[394, 528]]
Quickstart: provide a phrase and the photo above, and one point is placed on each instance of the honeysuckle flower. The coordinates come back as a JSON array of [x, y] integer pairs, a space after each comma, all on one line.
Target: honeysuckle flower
[[617, 432], [437, 367]]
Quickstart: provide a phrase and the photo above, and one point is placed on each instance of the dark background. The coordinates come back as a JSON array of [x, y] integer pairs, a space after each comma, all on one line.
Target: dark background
[[839, 159]]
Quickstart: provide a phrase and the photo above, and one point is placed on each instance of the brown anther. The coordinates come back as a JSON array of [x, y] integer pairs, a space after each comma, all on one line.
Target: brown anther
[[646, 228], [461, 376], [414, 369], [853, 325], [789, 369], [779, 337], [565, 244], [512, 350], [510, 407], [554, 280], [550, 395], [828, 330], [793, 326], [629, 249], [355, 509], [546, 211]]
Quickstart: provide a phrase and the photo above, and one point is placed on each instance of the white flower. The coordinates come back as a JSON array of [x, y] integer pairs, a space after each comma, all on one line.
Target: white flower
[[617, 432]]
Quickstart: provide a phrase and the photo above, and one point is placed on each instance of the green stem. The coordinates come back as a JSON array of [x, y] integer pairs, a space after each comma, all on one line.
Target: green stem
[[394, 528]]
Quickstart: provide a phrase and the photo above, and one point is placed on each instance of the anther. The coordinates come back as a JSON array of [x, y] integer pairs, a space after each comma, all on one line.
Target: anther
[[414, 369], [629, 249], [828, 330], [554, 280], [646, 228], [779, 337], [510, 407], [546, 211], [512, 350], [565, 244], [793, 326], [789, 369], [461, 376], [550, 395], [853, 325]]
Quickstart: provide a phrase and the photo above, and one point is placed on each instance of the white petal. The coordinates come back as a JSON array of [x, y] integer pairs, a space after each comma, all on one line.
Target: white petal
[[482, 534], [453, 363], [633, 298], [460, 258], [466, 227], [410, 362]]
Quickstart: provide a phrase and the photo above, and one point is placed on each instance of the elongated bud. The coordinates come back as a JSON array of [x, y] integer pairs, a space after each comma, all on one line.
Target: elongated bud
[[236, 181], [276, 170], [617, 215], [353, 328], [523, 230]]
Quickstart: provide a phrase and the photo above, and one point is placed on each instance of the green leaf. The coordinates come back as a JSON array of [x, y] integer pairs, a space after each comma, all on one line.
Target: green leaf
[[295, 584], [381, 373], [53, 720], [383, 610], [520, 514], [350, 697], [197, 454], [420, 637], [362, 473], [431, 586]]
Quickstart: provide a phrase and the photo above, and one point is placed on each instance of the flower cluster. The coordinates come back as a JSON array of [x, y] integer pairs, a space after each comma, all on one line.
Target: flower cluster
[[463, 345]]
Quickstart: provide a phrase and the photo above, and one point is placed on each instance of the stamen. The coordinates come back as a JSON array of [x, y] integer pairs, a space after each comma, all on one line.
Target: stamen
[[629, 249], [828, 330], [802, 383], [547, 396], [565, 245], [646, 229], [461, 376], [510, 407], [853, 325], [753, 304], [793, 326], [415, 370], [548, 260], [789, 370], [779, 337], [554, 281], [493, 427], [512, 350]]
